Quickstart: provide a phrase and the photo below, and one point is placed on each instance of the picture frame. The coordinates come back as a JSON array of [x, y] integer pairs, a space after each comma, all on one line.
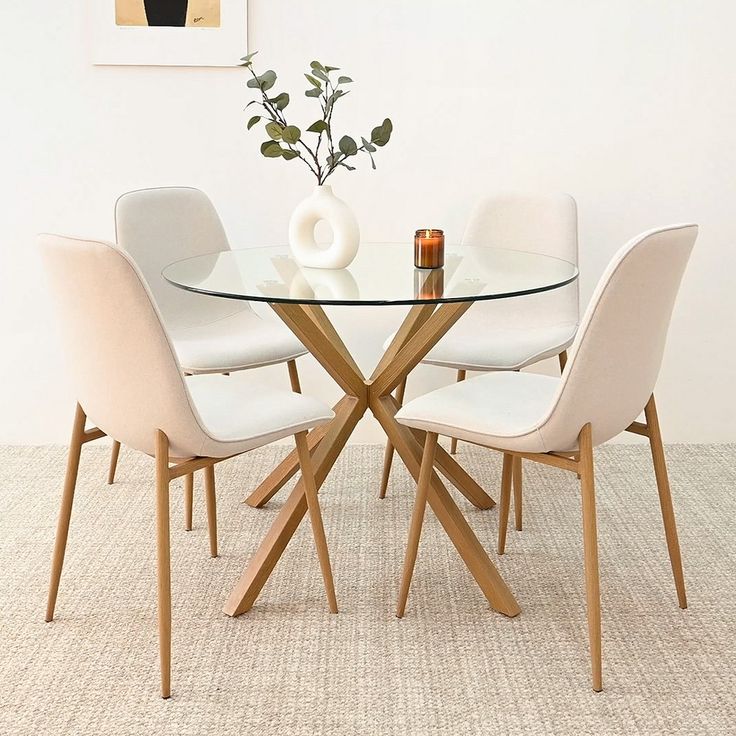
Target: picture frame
[[120, 34]]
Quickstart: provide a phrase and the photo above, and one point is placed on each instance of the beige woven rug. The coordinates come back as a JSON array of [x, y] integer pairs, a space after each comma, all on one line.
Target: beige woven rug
[[289, 667]]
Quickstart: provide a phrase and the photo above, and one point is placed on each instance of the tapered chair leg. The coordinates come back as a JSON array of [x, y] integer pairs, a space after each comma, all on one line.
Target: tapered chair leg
[[209, 492], [114, 454], [315, 516], [294, 377], [417, 520], [503, 512], [665, 499], [590, 548], [562, 357], [163, 549], [65, 513], [388, 454], [453, 442], [188, 501], [518, 494]]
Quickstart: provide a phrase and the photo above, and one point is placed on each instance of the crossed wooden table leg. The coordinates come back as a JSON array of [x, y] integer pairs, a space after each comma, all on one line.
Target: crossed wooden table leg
[[422, 328]]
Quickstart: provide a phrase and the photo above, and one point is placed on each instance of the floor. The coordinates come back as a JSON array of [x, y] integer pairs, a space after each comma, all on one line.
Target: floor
[[451, 666]]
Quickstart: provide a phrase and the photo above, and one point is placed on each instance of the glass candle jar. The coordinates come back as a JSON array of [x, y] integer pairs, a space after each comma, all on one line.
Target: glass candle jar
[[429, 248]]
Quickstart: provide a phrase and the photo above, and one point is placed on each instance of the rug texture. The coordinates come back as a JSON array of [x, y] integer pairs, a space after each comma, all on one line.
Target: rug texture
[[451, 666]]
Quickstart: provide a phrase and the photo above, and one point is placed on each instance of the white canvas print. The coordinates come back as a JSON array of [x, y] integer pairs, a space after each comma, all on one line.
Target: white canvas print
[[168, 32]]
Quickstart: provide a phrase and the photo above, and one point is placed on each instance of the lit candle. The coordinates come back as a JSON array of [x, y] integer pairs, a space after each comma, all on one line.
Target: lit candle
[[429, 248]]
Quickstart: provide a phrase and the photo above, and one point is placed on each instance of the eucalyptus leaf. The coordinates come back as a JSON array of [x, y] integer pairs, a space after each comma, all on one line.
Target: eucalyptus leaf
[[348, 146], [253, 121], [332, 68], [268, 79], [289, 154], [264, 81], [291, 134], [271, 149], [281, 101], [343, 80], [381, 134], [320, 75], [314, 82], [248, 57], [318, 126], [368, 145], [317, 65], [333, 159], [274, 130], [349, 168], [313, 92]]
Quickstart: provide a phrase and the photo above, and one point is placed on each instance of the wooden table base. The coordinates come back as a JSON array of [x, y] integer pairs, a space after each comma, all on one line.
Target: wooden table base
[[422, 328]]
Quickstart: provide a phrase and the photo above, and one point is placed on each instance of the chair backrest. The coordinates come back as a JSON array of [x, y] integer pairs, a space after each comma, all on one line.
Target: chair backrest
[[546, 223], [615, 359], [127, 376], [162, 225]]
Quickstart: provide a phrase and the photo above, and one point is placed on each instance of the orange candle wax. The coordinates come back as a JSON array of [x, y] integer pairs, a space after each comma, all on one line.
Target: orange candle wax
[[429, 248]]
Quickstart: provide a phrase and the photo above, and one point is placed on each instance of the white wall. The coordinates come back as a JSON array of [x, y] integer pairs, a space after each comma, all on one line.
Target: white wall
[[628, 105]]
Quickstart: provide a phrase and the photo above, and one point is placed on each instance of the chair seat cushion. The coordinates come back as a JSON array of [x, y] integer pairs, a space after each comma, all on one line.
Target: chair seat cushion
[[504, 410], [237, 416], [236, 342], [474, 347]]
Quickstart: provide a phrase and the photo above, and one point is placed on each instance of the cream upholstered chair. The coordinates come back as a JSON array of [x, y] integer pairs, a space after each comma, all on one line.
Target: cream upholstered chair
[[131, 385], [161, 225], [511, 334], [607, 382]]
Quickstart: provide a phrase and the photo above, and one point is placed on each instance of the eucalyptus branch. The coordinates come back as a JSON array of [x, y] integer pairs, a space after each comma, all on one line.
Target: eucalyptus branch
[[286, 141]]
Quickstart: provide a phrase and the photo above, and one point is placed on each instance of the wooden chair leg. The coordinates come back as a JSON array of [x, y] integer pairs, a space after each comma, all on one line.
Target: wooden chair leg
[[188, 501], [590, 547], [503, 512], [294, 377], [417, 520], [315, 516], [453, 442], [163, 550], [665, 499], [114, 454], [388, 454], [517, 493], [209, 492], [65, 513], [562, 357]]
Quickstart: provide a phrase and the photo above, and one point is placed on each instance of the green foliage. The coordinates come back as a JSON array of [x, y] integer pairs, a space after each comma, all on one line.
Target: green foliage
[[280, 101], [271, 149], [286, 141], [291, 134], [274, 130], [348, 146]]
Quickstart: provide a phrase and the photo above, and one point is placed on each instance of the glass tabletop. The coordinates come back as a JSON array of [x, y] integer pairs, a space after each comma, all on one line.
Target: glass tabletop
[[382, 273]]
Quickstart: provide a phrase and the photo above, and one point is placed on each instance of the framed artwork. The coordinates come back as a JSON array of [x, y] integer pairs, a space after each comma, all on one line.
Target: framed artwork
[[169, 32]]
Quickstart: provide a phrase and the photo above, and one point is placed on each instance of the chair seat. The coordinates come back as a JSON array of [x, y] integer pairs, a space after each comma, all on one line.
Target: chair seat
[[504, 410], [236, 342], [472, 346], [237, 417]]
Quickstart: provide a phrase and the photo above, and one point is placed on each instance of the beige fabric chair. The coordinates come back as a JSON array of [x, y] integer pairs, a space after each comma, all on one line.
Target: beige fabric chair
[[131, 385], [161, 225], [607, 382], [511, 334]]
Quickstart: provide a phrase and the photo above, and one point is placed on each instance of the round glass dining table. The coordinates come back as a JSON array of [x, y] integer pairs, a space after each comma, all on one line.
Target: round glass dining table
[[381, 274]]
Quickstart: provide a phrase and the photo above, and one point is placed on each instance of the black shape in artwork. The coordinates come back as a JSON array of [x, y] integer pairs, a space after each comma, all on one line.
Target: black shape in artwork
[[166, 12]]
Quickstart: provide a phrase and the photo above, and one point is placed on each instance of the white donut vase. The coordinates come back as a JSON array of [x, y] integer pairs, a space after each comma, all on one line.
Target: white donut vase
[[322, 204]]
